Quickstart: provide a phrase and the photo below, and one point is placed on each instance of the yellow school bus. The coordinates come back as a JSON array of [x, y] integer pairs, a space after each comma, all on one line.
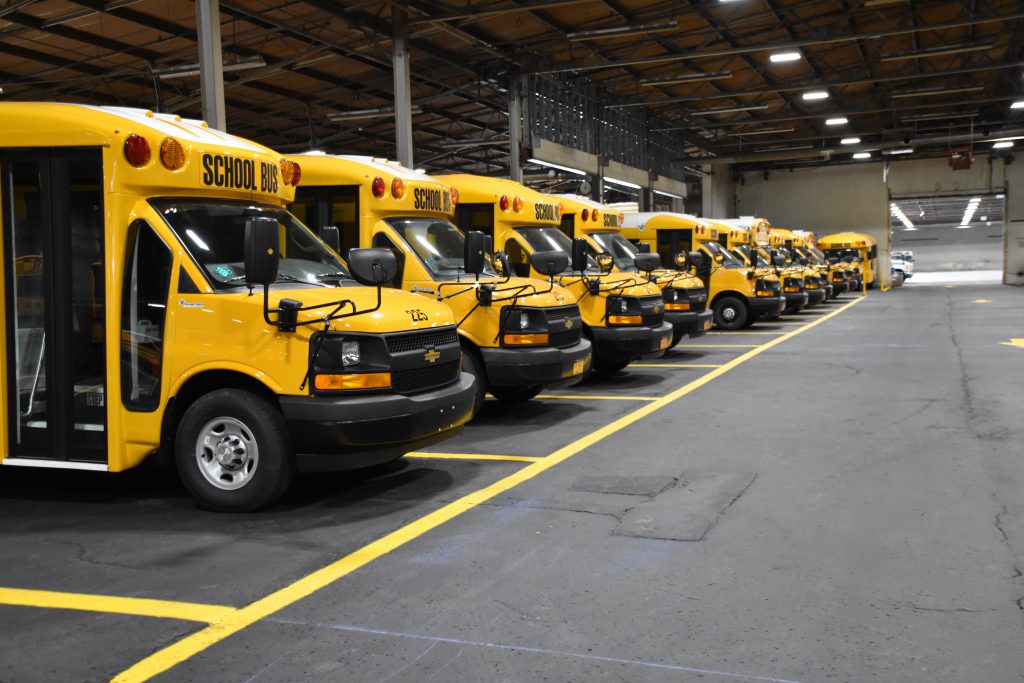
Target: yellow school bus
[[739, 295], [684, 294], [859, 250], [518, 335], [838, 272], [815, 277], [769, 244], [174, 307], [623, 314]]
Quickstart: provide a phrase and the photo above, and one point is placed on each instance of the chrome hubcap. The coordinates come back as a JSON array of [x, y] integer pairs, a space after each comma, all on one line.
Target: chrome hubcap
[[728, 313], [227, 453]]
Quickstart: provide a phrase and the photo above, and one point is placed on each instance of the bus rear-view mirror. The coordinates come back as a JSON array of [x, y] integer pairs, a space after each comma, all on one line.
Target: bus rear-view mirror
[[262, 250], [373, 267], [579, 254], [475, 254], [549, 263], [331, 237], [645, 263]]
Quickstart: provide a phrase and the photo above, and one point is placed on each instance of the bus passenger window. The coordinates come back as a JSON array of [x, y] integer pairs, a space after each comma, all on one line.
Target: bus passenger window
[[147, 277], [518, 257], [382, 241]]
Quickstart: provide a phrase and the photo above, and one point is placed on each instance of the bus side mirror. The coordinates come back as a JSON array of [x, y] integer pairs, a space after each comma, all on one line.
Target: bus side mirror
[[579, 254], [331, 237], [645, 263], [262, 250], [372, 267], [475, 253], [549, 263]]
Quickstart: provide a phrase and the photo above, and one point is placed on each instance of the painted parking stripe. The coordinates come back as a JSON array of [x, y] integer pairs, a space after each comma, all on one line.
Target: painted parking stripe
[[470, 456], [673, 365], [588, 397], [751, 332], [721, 346], [143, 607], [191, 645]]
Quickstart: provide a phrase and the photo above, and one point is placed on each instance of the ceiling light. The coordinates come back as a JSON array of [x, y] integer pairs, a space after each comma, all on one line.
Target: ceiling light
[[837, 121], [1002, 145], [686, 78], [934, 51], [616, 181], [567, 169], [185, 70], [627, 30], [941, 116], [816, 95], [897, 212], [360, 114], [972, 206], [784, 148], [769, 131], [669, 194], [780, 57], [728, 110], [1019, 104], [905, 150], [862, 155], [850, 141]]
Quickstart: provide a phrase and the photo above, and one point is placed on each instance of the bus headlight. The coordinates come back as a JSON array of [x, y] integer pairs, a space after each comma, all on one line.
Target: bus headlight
[[350, 353]]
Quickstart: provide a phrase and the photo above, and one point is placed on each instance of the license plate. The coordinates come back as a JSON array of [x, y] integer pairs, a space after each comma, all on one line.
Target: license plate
[[707, 325], [577, 367], [664, 343]]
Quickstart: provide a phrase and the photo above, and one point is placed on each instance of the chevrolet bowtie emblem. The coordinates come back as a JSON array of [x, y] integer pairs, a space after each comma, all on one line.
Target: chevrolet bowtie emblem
[[568, 323], [431, 355]]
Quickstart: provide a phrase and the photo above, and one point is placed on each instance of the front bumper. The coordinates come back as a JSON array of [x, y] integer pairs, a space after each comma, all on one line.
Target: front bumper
[[632, 341], [691, 323], [796, 300], [524, 367], [372, 428], [767, 305], [840, 287], [816, 296]]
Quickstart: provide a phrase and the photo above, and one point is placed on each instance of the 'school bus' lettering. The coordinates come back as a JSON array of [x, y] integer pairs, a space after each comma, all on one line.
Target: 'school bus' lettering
[[427, 199], [545, 212], [223, 170]]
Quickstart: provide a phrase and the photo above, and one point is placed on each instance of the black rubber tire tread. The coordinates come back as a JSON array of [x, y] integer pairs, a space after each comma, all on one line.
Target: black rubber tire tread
[[610, 366], [742, 313], [474, 365], [676, 338], [516, 394], [276, 469]]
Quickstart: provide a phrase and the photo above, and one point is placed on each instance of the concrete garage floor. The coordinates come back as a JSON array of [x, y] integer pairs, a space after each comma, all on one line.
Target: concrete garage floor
[[850, 496]]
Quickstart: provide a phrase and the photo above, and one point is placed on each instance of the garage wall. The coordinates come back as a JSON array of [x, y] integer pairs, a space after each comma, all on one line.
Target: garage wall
[[1013, 241], [950, 248]]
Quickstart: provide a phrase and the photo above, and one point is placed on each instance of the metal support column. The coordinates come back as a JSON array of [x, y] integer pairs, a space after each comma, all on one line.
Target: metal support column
[[597, 187], [515, 130], [403, 95], [211, 63]]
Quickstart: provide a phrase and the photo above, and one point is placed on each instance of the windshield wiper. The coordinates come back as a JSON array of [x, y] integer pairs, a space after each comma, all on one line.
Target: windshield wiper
[[281, 277], [339, 275]]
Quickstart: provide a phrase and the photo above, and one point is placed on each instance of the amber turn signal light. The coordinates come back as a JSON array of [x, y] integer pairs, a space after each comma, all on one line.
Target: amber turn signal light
[[362, 380]]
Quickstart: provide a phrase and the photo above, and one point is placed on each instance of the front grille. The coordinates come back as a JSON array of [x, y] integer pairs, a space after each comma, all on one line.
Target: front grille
[[414, 341], [559, 335], [698, 298], [647, 308], [426, 377]]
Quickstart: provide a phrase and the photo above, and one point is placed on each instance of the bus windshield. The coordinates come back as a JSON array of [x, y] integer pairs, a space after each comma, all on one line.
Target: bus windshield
[[618, 247], [438, 243], [551, 239], [746, 251], [728, 259], [213, 232]]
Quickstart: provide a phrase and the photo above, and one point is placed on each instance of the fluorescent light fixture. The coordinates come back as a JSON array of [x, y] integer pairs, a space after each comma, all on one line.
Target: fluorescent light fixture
[[686, 78], [729, 110], [421, 170], [897, 213], [626, 30], [360, 114], [669, 194], [1000, 196], [567, 169], [616, 181], [1003, 145], [186, 70], [941, 116], [932, 92], [781, 57], [972, 206], [862, 155], [790, 148], [837, 121], [767, 131], [935, 51], [816, 95], [1019, 104], [905, 150], [849, 141]]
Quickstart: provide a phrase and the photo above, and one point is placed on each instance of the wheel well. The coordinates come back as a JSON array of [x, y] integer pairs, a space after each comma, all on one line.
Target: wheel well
[[736, 295], [189, 392]]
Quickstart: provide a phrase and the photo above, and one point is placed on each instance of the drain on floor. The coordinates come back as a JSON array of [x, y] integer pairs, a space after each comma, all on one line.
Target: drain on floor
[[686, 512]]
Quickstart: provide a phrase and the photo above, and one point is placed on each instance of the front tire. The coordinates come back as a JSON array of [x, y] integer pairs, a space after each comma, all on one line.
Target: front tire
[[730, 313], [516, 394], [472, 364], [610, 366], [233, 452]]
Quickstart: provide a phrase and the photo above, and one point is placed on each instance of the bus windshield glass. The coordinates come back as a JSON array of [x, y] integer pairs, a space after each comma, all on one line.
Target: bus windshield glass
[[551, 239], [213, 232], [618, 247], [438, 243], [728, 259]]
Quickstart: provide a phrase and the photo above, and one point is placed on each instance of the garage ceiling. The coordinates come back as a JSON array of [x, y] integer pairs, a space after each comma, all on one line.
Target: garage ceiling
[[921, 74]]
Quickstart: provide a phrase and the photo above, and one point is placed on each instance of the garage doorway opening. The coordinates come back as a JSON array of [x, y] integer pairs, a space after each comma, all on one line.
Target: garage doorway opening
[[951, 238]]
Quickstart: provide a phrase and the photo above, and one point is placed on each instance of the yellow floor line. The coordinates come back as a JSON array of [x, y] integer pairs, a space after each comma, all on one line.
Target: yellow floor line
[[143, 607], [470, 456], [751, 332], [583, 397], [673, 365], [187, 647]]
